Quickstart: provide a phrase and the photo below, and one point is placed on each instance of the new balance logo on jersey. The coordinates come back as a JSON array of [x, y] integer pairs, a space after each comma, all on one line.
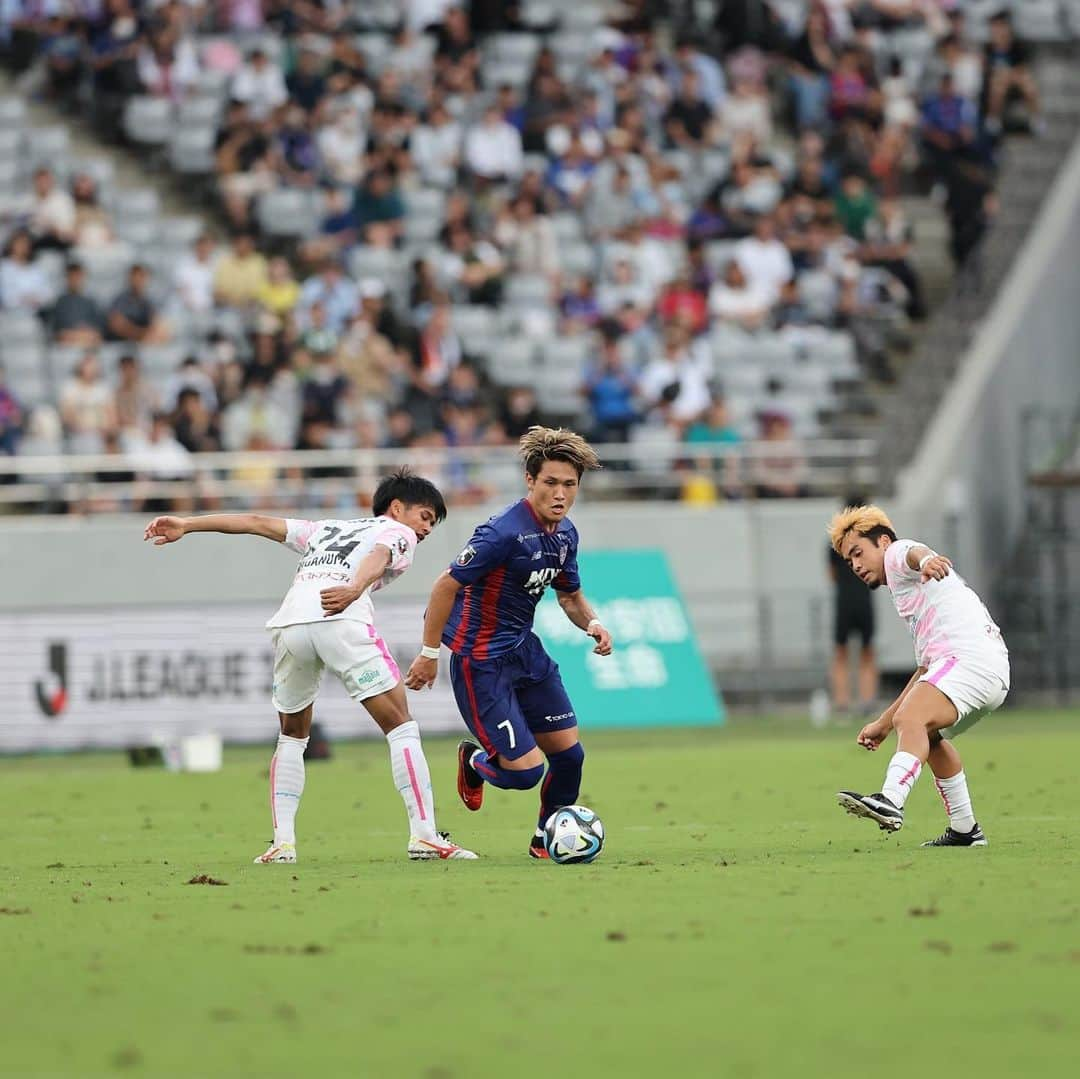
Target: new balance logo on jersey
[[52, 689], [539, 579]]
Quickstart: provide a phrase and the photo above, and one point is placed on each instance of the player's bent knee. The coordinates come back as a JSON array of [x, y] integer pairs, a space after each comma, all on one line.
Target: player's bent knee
[[573, 757], [522, 779]]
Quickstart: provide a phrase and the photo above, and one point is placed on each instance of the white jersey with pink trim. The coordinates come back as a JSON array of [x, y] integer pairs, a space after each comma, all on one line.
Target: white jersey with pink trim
[[331, 552], [946, 617]]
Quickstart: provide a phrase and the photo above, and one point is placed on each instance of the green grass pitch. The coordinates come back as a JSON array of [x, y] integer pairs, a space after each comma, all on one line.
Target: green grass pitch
[[737, 924]]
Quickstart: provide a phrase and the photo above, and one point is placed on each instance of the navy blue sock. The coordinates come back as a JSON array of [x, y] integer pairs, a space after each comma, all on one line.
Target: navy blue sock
[[509, 779], [563, 783]]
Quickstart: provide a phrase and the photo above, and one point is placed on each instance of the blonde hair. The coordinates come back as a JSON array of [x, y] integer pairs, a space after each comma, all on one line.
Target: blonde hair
[[864, 520], [540, 444]]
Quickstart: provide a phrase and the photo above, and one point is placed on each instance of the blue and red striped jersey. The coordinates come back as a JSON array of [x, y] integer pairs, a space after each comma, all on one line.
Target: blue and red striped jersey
[[506, 567]]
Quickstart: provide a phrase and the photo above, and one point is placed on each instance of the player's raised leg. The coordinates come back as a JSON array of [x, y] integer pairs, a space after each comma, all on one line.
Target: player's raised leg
[[507, 756], [923, 711], [951, 782]]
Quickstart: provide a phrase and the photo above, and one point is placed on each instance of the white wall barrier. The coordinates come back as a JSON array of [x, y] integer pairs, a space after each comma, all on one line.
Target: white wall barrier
[[116, 677]]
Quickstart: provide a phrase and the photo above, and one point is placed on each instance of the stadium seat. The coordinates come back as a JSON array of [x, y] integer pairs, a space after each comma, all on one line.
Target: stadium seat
[[1039, 20], [148, 120], [48, 146], [191, 150], [567, 355], [12, 112], [528, 290], [10, 143], [288, 211], [578, 258], [200, 111], [513, 363], [474, 319], [180, 231], [836, 353], [558, 392], [19, 328], [139, 203]]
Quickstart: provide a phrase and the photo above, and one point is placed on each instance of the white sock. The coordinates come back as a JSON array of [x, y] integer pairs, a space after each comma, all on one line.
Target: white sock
[[904, 769], [954, 793], [286, 786], [412, 779]]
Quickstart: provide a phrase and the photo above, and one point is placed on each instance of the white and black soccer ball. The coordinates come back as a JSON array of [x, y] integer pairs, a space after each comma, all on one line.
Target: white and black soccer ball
[[573, 834]]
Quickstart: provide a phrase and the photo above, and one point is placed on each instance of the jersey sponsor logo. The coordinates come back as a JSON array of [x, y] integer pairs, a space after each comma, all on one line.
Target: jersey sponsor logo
[[559, 718], [466, 556], [52, 690], [539, 579]]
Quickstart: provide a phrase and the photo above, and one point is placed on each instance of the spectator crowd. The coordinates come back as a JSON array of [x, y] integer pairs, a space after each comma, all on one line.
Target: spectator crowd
[[476, 179]]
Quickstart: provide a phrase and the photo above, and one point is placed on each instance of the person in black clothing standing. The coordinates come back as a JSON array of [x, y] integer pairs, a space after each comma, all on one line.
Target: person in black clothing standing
[[853, 615]]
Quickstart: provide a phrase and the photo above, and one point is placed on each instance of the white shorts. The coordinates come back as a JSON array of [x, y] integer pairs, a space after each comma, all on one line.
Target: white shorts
[[351, 650], [975, 689]]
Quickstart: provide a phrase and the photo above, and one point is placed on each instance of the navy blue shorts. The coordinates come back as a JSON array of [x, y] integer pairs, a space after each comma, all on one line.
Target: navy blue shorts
[[508, 699]]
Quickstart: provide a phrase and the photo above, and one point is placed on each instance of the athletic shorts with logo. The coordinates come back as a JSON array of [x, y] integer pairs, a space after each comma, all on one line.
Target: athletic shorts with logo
[[508, 699], [353, 651], [975, 687]]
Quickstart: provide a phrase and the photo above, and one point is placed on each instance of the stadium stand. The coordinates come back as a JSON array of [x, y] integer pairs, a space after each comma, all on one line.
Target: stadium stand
[[670, 225]]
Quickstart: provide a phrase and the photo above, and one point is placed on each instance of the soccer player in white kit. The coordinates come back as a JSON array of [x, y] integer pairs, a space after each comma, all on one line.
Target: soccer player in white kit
[[963, 672], [327, 621]]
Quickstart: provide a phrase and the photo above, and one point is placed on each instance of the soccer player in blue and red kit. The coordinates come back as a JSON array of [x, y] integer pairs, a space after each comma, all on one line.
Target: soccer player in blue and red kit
[[507, 687]]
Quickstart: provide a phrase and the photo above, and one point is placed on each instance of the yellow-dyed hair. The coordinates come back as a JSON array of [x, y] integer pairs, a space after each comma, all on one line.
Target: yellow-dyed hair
[[540, 444], [860, 519]]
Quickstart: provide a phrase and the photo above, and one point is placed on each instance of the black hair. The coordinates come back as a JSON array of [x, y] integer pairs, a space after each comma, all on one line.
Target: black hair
[[875, 533], [412, 490]]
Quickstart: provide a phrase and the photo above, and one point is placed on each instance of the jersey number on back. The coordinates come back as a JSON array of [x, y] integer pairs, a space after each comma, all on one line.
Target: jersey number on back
[[344, 545]]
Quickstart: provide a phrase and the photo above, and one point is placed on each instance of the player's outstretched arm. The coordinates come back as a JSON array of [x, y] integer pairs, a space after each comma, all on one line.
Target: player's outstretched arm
[[932, 566], [162, 530], [372, 567], [580, 611], [425, 667]]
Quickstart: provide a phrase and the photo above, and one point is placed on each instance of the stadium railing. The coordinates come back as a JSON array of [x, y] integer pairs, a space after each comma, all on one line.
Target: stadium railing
[[697, 472]]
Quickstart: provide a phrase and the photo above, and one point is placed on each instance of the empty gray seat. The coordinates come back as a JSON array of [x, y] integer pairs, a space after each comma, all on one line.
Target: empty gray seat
[[287, 211], [191, 150], [12, 112], [566, 355], [513, 363], [148, 120], [528, 290], [180, 231]]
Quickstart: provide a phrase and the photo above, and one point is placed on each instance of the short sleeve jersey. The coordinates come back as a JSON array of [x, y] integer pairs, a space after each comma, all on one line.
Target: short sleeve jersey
[[505, 568], [946, 617], [330, 552]]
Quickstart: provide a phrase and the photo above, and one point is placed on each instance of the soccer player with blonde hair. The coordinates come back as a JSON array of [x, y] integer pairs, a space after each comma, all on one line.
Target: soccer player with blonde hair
[[962, 675], [508, 689]]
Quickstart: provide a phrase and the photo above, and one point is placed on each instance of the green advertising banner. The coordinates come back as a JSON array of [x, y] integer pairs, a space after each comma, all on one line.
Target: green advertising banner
[[656, 676]]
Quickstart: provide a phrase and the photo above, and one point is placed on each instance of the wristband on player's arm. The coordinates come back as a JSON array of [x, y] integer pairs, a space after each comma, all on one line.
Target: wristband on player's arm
[[428, 652], [593, 622], [925, 559]]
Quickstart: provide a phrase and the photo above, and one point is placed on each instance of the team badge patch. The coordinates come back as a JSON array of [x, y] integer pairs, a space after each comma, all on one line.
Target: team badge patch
[[402, 545], [562, 555], [466, 556]]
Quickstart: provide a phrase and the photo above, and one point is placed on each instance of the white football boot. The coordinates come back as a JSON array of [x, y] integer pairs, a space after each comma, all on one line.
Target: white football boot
[[278, 852], [424, 850]]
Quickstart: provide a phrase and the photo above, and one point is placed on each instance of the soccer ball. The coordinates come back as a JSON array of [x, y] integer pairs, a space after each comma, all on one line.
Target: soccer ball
[[573, 834]]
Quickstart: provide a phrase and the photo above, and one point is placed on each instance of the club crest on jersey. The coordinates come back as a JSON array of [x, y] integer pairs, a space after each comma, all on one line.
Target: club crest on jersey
[[402, 545], [562, 555], [466, 556]]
